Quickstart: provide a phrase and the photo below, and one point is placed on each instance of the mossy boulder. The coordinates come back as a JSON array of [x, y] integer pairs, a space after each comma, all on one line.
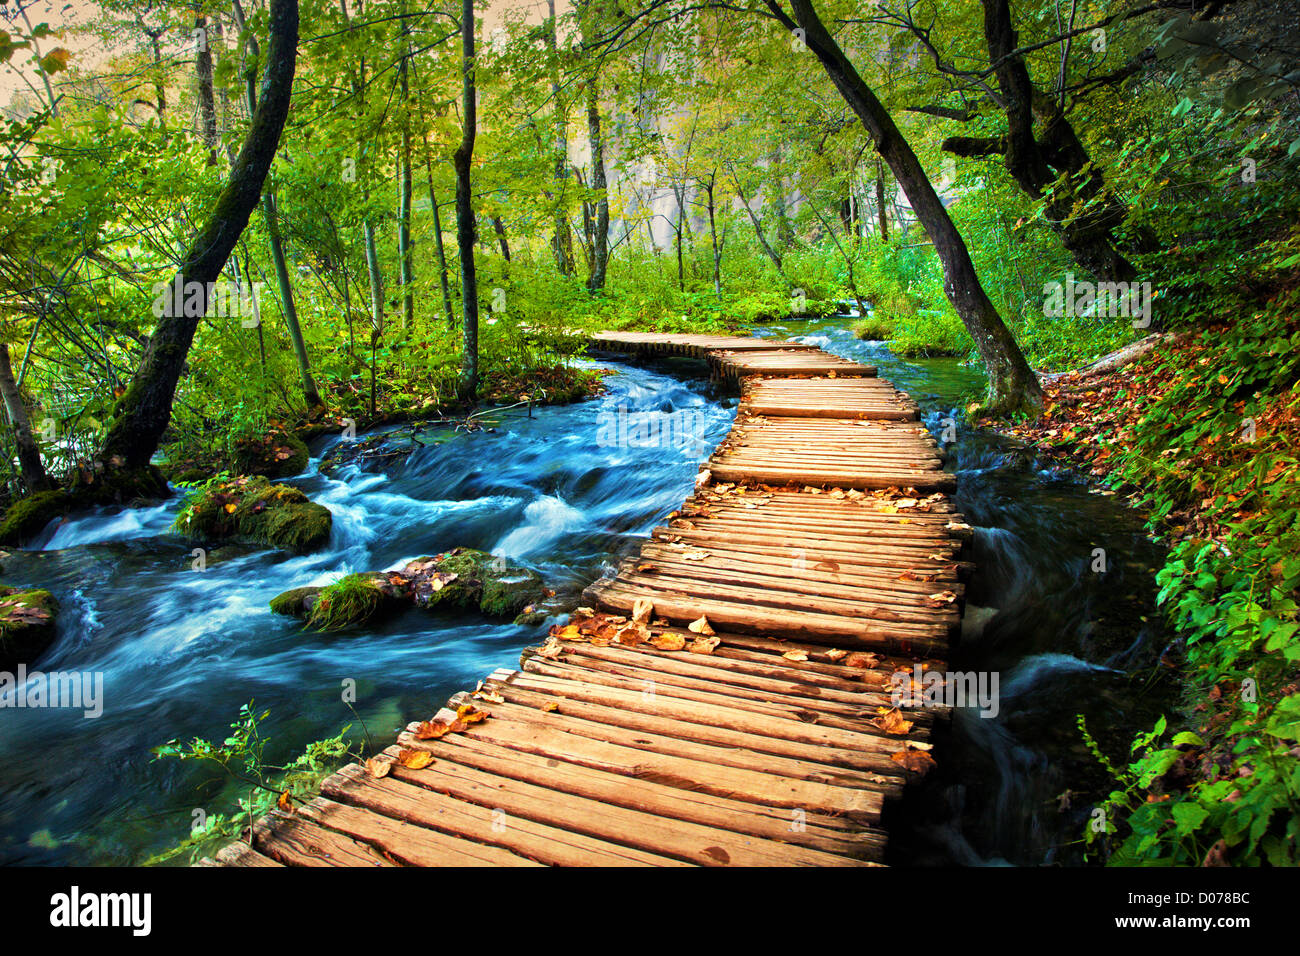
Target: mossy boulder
[[254, 511], [462, 578], [27, 625], [278, 454], [27, 517]]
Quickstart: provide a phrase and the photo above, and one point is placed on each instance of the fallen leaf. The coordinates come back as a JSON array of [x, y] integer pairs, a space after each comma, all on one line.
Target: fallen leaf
[[378, 768], [642, 611], [414, 759], [704, 645], [917, 761], [795, 655], [284, 803], [700, 627], [668, 641], [893, 722]]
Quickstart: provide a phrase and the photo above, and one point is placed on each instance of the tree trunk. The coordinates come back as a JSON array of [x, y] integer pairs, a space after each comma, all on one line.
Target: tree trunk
[[207, 100], [562, 244], [1088, 233], [1012, 383], [405, 252], [29, 453], [465, 206], [600, 228], [713, 237], [758, 228], [376, 301], [143, 412], [440, 249], [269, 212], [270, 216], [882, 213]]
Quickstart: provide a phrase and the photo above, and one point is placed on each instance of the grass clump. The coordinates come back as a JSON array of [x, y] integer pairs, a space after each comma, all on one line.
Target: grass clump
[[349, 602]]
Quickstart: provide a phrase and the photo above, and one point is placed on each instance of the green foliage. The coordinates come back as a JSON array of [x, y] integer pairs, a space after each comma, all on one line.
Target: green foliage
[[241, 758]]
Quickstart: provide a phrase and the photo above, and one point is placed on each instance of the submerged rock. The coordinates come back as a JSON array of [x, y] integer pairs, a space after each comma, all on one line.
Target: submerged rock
[[461, 578], [27, 619], [252, 510]]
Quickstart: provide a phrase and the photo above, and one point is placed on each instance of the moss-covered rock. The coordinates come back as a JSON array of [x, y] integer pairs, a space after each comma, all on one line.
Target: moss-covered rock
[[277, 455], [462, 578], [255, 511], [27, 625], [296, 602], [27, 517]]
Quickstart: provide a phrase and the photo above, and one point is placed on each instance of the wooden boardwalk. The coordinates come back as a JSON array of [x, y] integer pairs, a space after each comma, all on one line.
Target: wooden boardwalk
[[725, 696]]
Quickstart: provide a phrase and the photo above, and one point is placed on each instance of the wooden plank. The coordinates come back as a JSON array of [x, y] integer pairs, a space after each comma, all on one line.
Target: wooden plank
[[294, 841], [679, 839], [545, 844], [831, 834]]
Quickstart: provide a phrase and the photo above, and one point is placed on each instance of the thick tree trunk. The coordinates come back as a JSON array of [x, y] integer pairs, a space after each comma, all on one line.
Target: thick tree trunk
[[1012, 383], [465, 206], [600, 228], [143, 412], [29, 453], [1089, 233]]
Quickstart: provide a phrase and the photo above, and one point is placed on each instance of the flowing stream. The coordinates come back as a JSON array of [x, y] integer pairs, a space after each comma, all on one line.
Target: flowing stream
[[567, 491]]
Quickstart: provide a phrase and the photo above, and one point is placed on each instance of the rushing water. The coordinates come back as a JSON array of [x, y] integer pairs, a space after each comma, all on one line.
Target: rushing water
[[1064, 639], [181, 650]]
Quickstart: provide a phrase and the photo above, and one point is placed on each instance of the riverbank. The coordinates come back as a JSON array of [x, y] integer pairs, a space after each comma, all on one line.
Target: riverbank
[[1201, 434]]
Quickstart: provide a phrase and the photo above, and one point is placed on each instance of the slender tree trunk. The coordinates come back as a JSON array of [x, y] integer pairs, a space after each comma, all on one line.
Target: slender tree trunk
[[206, 97], [269, 212], [29, 453], [465, 205], [499, 228], [143, 412], [882, 211], [600, 228], [1013, 385], [376, 301], [405, 251], [270, 216], [713, 237], [563, 241], [758, 228], [440, 249]]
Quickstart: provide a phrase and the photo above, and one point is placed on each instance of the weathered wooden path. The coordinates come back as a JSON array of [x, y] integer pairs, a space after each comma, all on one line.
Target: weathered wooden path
[[725, 698]]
